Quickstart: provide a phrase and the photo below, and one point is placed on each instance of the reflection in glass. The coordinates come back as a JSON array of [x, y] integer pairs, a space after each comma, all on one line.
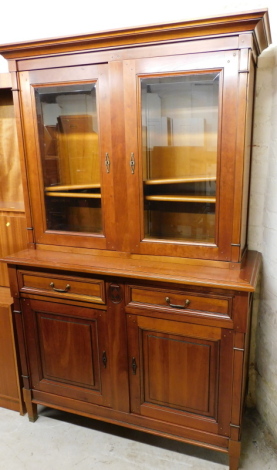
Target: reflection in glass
[[179, 148], [68, 135]]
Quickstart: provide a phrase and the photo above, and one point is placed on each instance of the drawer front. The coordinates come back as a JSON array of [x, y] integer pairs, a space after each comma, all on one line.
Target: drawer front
[[178, 300], [63, 286]]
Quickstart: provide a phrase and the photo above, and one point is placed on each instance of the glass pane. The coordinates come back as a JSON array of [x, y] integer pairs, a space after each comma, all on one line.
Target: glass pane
[[179, 148], [68, 134]]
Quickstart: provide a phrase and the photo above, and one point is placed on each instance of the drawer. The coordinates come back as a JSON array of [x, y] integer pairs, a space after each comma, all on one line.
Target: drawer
[[62, 286], [177, 300]]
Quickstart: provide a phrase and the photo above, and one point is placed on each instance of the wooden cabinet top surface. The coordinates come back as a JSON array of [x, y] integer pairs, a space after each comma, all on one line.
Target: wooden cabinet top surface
[[170, 270]]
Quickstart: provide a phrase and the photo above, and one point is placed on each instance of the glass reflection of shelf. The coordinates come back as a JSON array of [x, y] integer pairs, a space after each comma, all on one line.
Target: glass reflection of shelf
[[174, 198], [78, 195], [70, 187], [187, 179]]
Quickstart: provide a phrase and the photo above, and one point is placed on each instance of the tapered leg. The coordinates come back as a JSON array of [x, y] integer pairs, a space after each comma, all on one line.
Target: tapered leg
[[31, 407], [234, 454]]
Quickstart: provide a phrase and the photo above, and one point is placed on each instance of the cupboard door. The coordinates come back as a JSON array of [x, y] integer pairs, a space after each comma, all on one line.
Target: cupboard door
[[67, 350], [67, 119], [182, 159], [181, 373]]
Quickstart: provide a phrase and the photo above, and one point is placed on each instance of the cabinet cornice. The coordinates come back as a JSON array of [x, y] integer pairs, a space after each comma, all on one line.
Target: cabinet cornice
[[255, 22]]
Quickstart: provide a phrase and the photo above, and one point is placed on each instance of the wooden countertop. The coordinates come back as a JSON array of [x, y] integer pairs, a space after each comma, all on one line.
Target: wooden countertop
[[150, 268]]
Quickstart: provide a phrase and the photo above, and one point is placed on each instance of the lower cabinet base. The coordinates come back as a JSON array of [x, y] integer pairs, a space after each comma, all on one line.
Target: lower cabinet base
[[136, 422], [166, 358]]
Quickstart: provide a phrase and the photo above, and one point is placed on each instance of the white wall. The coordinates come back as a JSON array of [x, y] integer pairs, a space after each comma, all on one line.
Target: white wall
[[29, 19]]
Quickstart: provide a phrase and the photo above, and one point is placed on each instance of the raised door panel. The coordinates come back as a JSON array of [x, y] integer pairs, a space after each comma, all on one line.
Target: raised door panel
[[187, 365], [178, 373], [66, 115], [183, 156], [68, 350]]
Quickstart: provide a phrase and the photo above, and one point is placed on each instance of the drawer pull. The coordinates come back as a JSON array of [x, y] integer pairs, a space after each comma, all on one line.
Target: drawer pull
[[187, 302], [67, 287]]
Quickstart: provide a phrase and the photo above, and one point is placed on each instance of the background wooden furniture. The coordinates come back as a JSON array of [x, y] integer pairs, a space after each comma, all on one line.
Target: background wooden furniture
[[126, 307], [10, 391], [12, 216], [12, 238]]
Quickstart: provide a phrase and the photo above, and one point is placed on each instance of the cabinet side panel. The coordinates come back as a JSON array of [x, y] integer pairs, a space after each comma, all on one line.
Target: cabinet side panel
[[248, 146], [9, 388], [13, 238]]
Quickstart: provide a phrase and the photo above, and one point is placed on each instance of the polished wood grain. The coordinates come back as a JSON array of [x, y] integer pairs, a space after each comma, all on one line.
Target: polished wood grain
[[256, 21], [170, 270], [68, 287], [12, 220], [11, 194], [13, 237], [81, 338], [167, 297], [10, 395]]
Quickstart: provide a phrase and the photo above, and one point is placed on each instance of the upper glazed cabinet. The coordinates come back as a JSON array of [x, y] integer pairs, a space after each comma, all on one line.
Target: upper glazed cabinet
[[143, 150]]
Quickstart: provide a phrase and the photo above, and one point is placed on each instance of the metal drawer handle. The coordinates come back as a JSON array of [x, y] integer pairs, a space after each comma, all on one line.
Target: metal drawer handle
[[187, 302], [67, 287]]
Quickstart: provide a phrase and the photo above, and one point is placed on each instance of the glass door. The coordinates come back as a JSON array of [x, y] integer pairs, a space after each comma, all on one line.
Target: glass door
[[184, 154], [69, 147], [179, 122], [72, 135]]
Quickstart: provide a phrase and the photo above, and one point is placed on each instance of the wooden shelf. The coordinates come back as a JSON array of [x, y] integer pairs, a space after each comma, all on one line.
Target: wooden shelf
[[77, 195], [72, 187], [188, 179], [173, 198]]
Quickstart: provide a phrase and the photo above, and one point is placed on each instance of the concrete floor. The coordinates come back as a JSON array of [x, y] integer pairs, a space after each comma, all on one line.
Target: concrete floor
[[61, 441]]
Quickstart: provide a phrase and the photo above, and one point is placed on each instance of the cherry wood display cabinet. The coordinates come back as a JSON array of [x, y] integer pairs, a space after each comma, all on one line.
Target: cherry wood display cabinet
[[132, 303]]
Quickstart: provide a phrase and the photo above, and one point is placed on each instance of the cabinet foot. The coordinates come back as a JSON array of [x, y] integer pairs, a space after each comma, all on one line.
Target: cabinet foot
[[31, 407], [234, 454]]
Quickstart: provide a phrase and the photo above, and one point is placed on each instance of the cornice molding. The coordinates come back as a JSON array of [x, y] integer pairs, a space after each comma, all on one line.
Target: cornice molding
[[255, 22]]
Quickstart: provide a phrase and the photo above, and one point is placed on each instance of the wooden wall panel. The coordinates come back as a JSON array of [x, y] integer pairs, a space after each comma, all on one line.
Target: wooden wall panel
[[13, 238], [11, 193]]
